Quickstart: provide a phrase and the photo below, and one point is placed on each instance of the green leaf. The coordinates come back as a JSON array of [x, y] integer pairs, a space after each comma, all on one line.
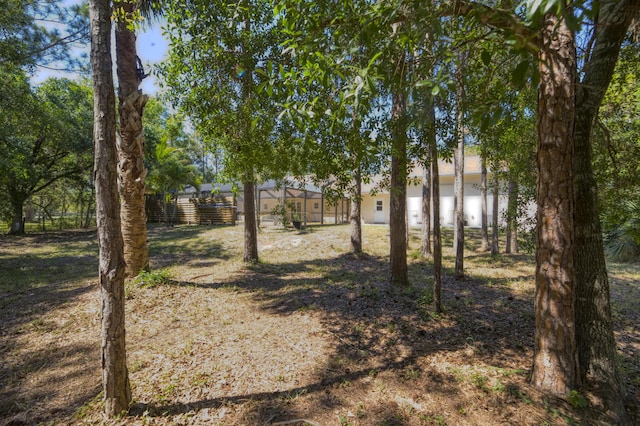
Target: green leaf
[[374, 59], [518, 77], [435, 91], [486, 57], [537, 8]]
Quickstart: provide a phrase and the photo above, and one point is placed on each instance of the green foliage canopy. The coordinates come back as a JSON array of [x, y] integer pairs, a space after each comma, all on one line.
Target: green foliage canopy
[[169, 150], [47, 136], [40, 32], [616, 150], [221, 54]]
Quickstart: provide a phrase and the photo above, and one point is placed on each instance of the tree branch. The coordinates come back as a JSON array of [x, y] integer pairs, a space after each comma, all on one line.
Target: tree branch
[[498, 19], [55, 178]]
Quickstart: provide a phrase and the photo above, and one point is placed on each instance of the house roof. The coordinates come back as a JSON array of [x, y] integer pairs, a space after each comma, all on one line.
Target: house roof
[[270, 186], [472, 166]]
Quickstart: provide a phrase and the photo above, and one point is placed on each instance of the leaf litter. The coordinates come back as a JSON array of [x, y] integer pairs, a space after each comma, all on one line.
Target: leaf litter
[[309, 335]]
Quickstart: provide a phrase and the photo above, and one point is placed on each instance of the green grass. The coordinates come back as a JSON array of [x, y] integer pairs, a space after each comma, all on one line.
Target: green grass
[[31, 262], [152, 279]]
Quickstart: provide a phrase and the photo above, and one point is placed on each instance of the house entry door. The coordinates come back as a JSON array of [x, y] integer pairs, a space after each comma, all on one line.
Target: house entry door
[[378, 214]]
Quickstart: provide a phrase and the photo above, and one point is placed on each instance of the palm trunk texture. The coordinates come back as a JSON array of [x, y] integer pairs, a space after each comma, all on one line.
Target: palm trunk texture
[[131, 170]]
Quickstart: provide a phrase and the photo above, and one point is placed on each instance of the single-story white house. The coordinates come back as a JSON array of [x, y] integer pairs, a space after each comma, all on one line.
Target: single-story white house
[[309, 202], [376, 204]]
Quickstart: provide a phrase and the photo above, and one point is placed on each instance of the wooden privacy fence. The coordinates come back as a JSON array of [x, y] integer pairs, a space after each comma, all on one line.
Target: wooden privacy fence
[[209, 211]]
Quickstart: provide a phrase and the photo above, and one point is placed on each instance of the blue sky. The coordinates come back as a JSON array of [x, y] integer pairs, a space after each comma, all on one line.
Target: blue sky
[[152, 49]]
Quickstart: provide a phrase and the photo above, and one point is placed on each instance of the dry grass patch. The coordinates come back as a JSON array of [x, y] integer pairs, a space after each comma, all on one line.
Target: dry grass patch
[[310, 333]]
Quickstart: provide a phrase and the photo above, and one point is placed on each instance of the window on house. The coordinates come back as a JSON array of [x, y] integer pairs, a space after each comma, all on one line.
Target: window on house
[[316, 206], [379, 205], [299, 206], [265, 207]]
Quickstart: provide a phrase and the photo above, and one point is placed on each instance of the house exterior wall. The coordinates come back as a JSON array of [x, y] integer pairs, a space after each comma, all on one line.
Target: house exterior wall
[[376, 208], [370, 208], [472, 203]]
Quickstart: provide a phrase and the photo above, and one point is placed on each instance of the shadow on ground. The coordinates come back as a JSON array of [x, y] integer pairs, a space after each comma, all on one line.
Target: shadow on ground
[[379, 329]]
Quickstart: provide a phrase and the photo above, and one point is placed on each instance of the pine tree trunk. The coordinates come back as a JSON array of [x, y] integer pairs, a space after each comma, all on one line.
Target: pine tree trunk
[[165, 209], [174, 210], [512, 218], [484, 245], [355, 216], [250, 219], [458, 162], [115, 378], [432, 164], [596, 343], [398, 191], [437, 237], [425, 242], [250, 223], [131, 169], [555, 365], [458, 234], [88, 214], [495, 227]]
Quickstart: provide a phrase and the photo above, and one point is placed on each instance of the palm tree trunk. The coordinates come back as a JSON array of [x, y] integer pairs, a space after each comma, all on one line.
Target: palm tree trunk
[[175, 207], [131, 170], [165, 209]]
